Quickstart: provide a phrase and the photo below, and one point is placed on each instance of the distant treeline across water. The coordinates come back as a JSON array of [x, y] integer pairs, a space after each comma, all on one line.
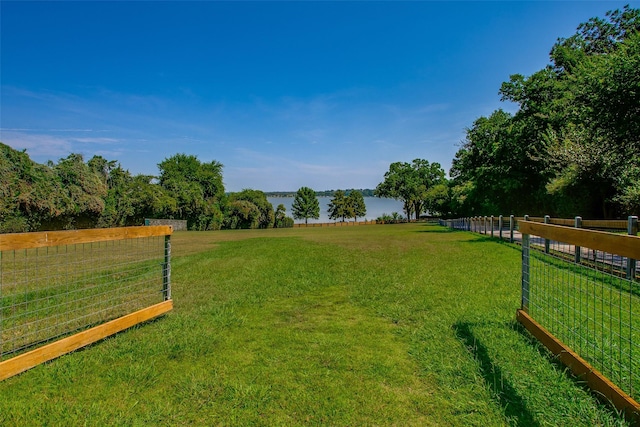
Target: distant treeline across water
[[376, 207], [367, 192]]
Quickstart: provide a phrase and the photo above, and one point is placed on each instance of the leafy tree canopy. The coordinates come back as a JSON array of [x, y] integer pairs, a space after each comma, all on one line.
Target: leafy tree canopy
[[410, 183], [266, 216], [356, 205], [573, 146], [338, 208], [305, 205]]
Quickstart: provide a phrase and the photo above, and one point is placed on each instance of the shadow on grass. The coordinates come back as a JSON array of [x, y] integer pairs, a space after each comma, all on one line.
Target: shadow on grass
[[437, 231], [578, 382], [516, 246], [512, 403]]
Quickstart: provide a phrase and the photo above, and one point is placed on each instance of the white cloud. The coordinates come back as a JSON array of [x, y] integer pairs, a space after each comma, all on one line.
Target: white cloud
[[40, 147], [47, 130], [96, 140]]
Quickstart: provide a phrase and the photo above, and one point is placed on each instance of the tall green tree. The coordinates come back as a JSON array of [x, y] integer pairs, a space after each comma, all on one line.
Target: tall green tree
[[30, 193], [438, 200], [241, 214], [305, 205], [281, 218], [410, 183], [338, 206], [494, 171], [357, 207], [573, 146], [197, 188], [398, 185], [83, 192], [131, 199], [266, 216]]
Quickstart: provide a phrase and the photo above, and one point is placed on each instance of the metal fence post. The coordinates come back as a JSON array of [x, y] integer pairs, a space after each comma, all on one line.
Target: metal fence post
[[500, 226], [166, 269], [578, 224], [547, 219], [525, 273], [631, 263], [484, 223], [511, 227]]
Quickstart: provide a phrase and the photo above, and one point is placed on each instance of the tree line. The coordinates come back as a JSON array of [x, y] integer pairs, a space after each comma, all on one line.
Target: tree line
[[366, 192], [571, 148], [73, 194], [342, 205], [573, 145]]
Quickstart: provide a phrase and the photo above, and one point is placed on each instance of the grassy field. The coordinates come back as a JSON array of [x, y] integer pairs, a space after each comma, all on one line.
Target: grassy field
[[403, 325]]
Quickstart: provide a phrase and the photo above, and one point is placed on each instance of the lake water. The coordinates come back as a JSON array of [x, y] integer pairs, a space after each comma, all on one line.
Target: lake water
[[375, 207]]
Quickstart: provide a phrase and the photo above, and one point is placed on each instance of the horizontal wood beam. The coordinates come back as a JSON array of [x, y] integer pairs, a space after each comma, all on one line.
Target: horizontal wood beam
[[610, 224], [619, 244], [23, 362], [582, 369], [41, 239]]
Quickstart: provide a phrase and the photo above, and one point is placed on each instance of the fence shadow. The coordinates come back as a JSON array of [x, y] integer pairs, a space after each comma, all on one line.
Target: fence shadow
[[439, 231], [553, 360], [512, 403]]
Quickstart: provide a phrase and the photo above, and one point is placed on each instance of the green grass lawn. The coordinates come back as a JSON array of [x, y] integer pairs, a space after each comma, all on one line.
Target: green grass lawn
[[402, 325]]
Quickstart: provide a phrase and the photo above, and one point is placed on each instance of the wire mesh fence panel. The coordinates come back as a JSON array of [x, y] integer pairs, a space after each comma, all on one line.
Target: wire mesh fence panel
[[53, 291], [588, 303]]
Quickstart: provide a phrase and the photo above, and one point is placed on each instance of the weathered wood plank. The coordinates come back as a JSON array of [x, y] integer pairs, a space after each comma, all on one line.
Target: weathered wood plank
[[582, 369], [619, 244], [23, 362], [41, 239]]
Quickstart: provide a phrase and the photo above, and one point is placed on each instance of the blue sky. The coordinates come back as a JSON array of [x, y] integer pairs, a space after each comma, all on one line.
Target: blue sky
[[283, 94]]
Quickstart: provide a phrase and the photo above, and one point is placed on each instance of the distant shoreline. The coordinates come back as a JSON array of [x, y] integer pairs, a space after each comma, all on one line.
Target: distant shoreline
[[366, 192]]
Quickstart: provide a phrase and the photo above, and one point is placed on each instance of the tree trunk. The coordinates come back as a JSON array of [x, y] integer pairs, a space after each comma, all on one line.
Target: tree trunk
[[408, 208]]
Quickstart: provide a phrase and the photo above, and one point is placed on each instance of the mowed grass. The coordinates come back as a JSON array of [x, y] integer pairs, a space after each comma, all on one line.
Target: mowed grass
[[402, 325]]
